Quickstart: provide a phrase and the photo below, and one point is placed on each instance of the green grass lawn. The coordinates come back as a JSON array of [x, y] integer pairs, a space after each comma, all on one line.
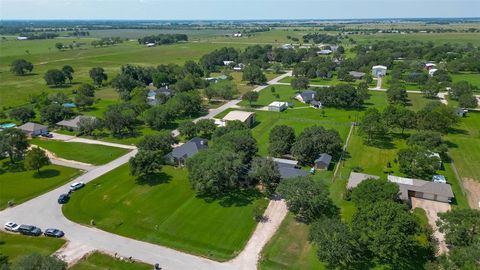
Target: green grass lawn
[[16, 245], [25, 185], [320, 81], [165, 210], [100, 261], [282, 93], [88, 153], [472, 78]]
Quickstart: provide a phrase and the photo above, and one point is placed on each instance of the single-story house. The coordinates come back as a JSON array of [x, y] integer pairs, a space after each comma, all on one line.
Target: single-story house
[[73, 124], [287, 46], [461, 112], [152, 95], [324, 52], [239, 67], [323, 161], [216, 79], [22, 38], [289, 168], [356, 178], [33, 129], [316, 104], [379, 71], [432, 71], [277, 106], [306, 96], [357, 75], [180, 154], [422, 189], [228, 63], [150, 44], [429, 66], [247, 118]]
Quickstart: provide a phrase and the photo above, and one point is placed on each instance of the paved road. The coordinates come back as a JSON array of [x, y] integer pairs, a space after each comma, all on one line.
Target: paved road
[[68, 138]]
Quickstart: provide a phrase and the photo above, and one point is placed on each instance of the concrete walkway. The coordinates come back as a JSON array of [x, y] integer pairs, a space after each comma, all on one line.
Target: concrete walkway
[[69, 138]]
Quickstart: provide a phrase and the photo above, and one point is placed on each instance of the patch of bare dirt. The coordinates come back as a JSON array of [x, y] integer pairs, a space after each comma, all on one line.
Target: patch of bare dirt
[[473, 189]]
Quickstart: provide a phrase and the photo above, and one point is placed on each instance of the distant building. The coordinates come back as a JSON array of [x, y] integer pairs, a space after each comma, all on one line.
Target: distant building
[[239, 67], [237, 34], [22, 38], [356, 178], [277, 106], [379, 71], [422, 189], [180, 154], [325, 52], [33, 129], [289, 168], [73, 124], [316, 104], [151, 45], [228, 63], [306, 96], [432, 71], [216, 79], [461, 112], [357, 75], [323, 161], [69, 105], [153, 95], [247, 118], [287, 46], [429, 66]]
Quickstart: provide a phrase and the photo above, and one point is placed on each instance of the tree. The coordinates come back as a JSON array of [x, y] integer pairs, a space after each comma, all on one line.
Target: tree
[[13, 142], [397, 94], [254, 75], [159, 117], [265, 171], [314, 141], [277, 68], [146, 162], [83, 101], [281, 139], [215, 171], [36, 261], [431, 88], [337, 246], [55, 113], [59, 46], [467, 101], [373, 191], [418, 162], [397, 116], [120, 118], [188, 129], [124, 85], [21, 67], [430, 140], [98, 75], [23, 114], [161, 142], [54, 77], [205, 128], [210, 92], [86, 90], [36, 158], [240, 142], [460, 226], [457, 258], [459, 88], [437, 117], [300, 83], [307, 199], [372, 124], [186, 104], [87, 125], [230, 127], [250, 96], [68, 72]]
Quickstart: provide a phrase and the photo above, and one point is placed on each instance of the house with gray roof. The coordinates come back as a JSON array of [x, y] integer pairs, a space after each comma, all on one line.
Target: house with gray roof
[[306, 96], [289, 168], [417, 188], [357, 75], [153, 95], [33, 129], [73, 124], [356, 178], [323, 161], [180, 154]]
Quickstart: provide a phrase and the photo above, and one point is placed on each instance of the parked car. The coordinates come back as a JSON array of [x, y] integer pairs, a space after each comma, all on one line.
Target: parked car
[[29, 230], [47, 135], [63, 198], [11, 226], [76, 185], [53, 232]]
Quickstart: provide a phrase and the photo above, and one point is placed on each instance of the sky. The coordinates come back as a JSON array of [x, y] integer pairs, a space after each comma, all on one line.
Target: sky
[[235, 9]]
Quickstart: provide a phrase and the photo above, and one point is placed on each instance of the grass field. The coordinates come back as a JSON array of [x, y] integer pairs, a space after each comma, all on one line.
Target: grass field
[[165, 210], [320, 81], [24, 185], [282, 93], [472, 78], [454, 38], [15, 245], [83, 152], [100, 261]]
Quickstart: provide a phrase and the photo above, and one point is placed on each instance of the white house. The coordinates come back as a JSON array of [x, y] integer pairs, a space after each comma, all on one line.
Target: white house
[[150, 44], [430, 66], [247, 118], [306, 96], [325, 52], [277, 106], [287, 46], [432, 71], [378, 71], [22, 38]]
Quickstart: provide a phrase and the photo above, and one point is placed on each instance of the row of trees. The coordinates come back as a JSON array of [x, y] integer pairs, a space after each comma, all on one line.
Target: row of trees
[[32, 261], [56, 77], [163, 39]]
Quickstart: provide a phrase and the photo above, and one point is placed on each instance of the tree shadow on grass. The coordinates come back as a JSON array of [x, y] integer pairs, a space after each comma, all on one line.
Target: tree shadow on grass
[[458, 131], [154, 179], [236, 198], [451, 144], [48, 173], [382, 143]]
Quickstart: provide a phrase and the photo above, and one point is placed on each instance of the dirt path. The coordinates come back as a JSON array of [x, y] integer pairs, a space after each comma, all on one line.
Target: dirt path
[[473, 189]]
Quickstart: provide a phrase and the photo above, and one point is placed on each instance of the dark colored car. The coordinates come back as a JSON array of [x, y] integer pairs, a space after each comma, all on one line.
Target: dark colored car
[[47, 135], [63, 198], [53, 233], [29, 230]]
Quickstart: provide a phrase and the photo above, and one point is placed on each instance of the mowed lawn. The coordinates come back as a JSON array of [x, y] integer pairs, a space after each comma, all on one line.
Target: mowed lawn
[[281, 93], [472, 78], [100, 261], [164, 210], [16, 245], [88, 153], [25, 185]]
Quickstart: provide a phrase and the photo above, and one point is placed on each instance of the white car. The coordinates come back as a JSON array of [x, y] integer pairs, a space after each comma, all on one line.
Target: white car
[[11, 226], [76, 185]]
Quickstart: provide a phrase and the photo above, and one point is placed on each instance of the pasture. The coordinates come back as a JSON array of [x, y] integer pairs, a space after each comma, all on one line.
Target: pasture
[[163, 209]]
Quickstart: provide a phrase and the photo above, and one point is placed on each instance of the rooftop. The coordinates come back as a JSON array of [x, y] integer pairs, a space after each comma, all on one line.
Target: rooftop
[[30, 126], [406, 184], [278, 104], [238, 115], [356, 178], [189, 148]]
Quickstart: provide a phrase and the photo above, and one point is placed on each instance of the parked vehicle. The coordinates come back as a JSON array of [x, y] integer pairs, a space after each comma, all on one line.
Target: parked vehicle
[[29, 230], [53, 232], [11, 226], [47, 135], [76, 185], [64, 198]]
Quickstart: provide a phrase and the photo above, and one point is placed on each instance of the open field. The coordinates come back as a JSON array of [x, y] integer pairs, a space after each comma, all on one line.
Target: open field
[[164, 210], [462, 38], [86, 153], [282, 93], [100, 261], [15, 245], [472, 78], [32, 183]]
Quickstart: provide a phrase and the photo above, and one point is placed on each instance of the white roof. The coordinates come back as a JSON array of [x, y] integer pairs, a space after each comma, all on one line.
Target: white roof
[[285, 161], [430, 65], [379, 67], [278, 104], [237, 115]]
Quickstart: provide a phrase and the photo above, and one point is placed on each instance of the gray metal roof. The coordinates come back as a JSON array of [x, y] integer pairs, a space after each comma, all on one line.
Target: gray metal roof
[[308, 95], [289, 170], [356, 74], [406, 184], [356, 178], [73, 123], [189, 148], [324, 158], [31, 127]]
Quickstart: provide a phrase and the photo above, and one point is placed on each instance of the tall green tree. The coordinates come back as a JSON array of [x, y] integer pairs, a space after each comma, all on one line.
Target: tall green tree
[[21, 67], [372, 191], [120, 118], [188, 129], [418, 162], [146, 162], [314, 141], [13, 142], [54, 77], [36, 261], [373, 125], [431, 88], [254, 75], [251, 97], [265, 171], [281, 139], [55, 113], [98, 75], [68, 72], [397, 94], [23, 114], [300, 83], [36, 158], [460, 226], [437, 117], [157, 142]]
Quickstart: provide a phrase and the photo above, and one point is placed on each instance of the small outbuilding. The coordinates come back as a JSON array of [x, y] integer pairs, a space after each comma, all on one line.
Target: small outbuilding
[[323, 161], [325, 52], [277, 106], [357, 75], [33, 129], [306, 96], [316, 104], [379, 71], [228, 63], [248, 118], [180, 154], [287, 46], [429, 66], [73, 124], [356, 178]]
